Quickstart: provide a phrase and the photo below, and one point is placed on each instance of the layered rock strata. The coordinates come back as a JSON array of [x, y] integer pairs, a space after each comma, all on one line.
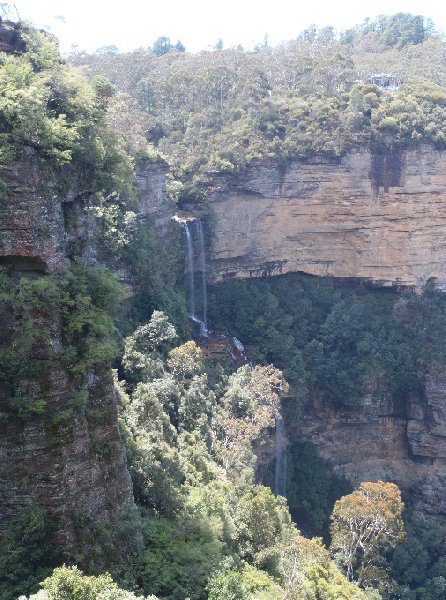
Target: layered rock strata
[[376, 217], [382, 218], [75, 466]]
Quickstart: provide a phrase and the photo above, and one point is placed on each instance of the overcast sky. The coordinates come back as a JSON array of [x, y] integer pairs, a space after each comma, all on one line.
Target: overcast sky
[[90, 24]]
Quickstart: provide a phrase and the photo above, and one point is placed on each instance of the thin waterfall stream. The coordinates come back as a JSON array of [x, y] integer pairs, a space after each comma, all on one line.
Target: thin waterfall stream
[[204, 288], [190, 270], [280, 455], [197, 298]]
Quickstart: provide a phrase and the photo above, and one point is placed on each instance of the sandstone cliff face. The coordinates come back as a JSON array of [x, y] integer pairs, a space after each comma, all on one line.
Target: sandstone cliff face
[[42, 226], [10, 38], [150, 184], [380, 218], [75, 469], [372, 443], [32, 225]]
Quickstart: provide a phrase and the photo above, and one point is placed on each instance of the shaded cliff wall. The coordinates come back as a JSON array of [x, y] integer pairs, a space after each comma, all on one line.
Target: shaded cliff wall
[[377, 217], [373, 443], [74, 468]]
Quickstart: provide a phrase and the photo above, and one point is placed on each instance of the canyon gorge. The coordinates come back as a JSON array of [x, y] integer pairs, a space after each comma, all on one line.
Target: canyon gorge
[[333, 219]]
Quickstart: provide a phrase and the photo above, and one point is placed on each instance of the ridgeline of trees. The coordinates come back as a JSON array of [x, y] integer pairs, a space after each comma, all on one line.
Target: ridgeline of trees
[[215, 111]]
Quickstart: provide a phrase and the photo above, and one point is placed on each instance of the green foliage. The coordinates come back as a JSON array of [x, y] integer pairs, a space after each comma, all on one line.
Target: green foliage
[[312, 487], [142, 358], [179, 558], [328, 583], [195, 442], [89, 304], [26, 553], [344, 333], [337, 343], [217, 111], [162, 46], [414, 113], [418, 562], [192, 450], [69, 583], [366, 525], [42, 48], [23, 101], [209, 531], [21, 374], [155, 263], [4, 190], [49, 112], [244, 418], [397, 30], [306, 571], [228, 586], [185, 361], [261, 519], [85, 302], [154, 462], [156, 266]]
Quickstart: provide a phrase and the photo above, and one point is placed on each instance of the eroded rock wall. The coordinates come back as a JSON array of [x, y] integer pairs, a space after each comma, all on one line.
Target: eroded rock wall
[[74, 465], [382, 218], [377, 217]]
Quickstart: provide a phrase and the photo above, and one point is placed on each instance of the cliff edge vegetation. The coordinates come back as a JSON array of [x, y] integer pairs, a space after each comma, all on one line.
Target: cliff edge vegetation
[[216, 111]]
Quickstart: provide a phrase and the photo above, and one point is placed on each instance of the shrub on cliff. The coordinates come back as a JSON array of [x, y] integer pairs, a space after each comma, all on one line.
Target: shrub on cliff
[[49, 110], [414, 113], [86, 302]]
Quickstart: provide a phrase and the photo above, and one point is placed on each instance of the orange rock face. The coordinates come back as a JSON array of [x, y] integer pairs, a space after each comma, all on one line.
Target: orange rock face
[[382, 218]]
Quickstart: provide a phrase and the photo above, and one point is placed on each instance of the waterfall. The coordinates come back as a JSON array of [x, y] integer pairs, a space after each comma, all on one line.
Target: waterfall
[[238, 354], [192, 266], [204, 288], [280, 469], [190, 271]]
